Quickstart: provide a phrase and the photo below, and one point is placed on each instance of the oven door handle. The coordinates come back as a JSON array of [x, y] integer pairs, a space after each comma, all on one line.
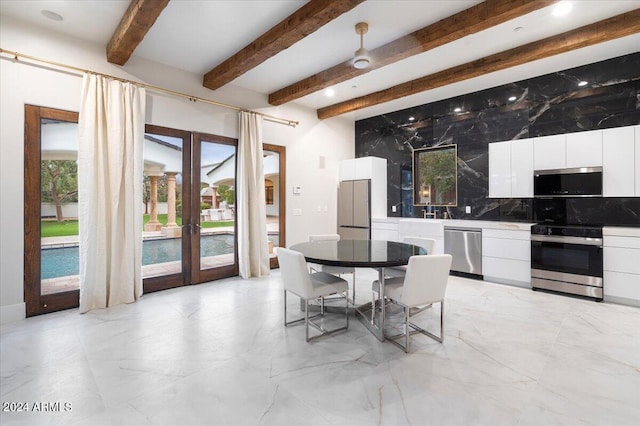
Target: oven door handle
[[567, 240]]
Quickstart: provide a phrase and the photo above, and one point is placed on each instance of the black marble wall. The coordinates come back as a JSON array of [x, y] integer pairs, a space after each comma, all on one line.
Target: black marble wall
[[546, 105]]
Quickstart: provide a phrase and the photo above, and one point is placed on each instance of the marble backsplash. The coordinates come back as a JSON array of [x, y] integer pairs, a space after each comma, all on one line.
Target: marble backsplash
[[545, 105]]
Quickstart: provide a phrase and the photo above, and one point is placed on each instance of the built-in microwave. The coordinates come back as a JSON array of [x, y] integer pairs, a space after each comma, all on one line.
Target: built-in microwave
[[575, 182]]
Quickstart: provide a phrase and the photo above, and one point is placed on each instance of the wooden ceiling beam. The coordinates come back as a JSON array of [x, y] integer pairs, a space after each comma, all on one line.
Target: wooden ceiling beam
[[599, 32], [135, 23], [295, 27], [475, 19]]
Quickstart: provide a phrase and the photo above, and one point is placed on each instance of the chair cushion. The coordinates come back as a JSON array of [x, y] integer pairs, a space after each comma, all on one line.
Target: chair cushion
[[325, 284]]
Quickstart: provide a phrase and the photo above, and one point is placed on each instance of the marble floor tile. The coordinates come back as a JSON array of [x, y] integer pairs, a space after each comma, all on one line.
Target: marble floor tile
[[218, 354]]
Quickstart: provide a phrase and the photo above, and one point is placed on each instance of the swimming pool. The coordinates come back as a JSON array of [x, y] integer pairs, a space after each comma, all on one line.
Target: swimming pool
[[62, 262]]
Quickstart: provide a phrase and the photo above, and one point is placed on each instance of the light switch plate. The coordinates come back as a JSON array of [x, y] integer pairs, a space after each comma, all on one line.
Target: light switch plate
[[297, 190]]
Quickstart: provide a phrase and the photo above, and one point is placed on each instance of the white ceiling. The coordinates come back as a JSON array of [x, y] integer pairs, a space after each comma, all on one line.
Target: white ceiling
[[197, 35]]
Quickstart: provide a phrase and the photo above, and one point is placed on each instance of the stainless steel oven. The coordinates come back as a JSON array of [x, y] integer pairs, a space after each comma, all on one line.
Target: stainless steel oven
[[567, 259]]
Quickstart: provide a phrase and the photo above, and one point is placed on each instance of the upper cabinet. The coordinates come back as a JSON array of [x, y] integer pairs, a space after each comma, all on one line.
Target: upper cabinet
[[580, 149], [616, 150], [550, 152], [500, 169], [522, 168], [619, 162], [511, 169], [584, 149]]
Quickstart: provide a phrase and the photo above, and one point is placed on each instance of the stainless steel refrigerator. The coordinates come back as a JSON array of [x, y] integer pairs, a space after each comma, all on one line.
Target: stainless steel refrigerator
[[354, 209]]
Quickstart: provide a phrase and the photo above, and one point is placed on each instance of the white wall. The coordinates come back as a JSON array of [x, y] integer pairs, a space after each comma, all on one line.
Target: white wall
[[24, 84]]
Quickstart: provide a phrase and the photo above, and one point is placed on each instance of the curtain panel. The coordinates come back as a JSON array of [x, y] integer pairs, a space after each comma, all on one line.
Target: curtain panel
[[253, 248], [110, 165]]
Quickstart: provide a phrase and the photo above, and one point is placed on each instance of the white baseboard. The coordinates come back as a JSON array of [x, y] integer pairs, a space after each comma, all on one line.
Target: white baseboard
[[622, 301], [12, 313], [507, 282]]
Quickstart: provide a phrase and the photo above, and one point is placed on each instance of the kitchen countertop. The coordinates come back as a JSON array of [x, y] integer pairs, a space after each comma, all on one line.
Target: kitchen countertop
[[619, 231], [474, 224]]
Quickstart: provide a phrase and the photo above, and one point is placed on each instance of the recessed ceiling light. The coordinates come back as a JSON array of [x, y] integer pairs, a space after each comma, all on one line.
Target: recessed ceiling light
[[562, 8], [457, 109], [51, 15], [412, 118], [512, 98], [583, 83], [330, 92]]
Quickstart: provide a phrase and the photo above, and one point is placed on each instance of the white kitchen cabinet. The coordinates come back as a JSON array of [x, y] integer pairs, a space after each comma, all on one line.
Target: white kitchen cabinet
[[637, 150], [506, 256], [511, 169], [384, 230], [427, 228], [618, 162], [500, 169], [372, 168], [622, 269], [347, 170], [522, 168], [584, 149], [550, 152]]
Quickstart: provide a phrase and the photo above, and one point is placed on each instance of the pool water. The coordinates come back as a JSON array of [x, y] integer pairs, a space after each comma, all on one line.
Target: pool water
[[62, 262]]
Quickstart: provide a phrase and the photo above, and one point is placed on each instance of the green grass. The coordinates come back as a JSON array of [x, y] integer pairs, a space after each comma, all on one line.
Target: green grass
[[52, 228]]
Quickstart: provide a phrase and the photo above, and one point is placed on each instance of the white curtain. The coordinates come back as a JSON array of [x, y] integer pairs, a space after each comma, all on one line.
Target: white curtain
[[111, 127], [253, 248]]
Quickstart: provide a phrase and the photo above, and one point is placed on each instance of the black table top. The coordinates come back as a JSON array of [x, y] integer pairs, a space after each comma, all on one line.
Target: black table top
[[358, 253]]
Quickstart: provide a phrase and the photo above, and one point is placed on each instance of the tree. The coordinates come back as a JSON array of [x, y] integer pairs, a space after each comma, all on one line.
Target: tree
[[226, 194], [438, 170], [59, 183], [146, 191]]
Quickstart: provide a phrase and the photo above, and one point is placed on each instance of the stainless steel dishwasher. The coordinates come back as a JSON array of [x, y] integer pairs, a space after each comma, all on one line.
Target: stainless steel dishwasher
[[465, 245]]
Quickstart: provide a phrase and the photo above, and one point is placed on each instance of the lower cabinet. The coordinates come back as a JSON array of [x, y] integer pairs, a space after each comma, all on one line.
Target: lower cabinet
[[622, 269], [383, 230], [506, 256]]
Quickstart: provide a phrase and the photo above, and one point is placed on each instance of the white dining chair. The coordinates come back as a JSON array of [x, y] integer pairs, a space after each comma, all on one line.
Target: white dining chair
[[335, 270], [428, 244], [425, 283], [309, 286]]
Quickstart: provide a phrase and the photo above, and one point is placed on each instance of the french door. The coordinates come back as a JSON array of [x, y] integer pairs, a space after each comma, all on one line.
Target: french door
[[189, 231], [212, 230]]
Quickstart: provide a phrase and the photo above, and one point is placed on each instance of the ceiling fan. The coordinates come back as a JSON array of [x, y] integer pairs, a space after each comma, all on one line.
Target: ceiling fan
[[361, 58]]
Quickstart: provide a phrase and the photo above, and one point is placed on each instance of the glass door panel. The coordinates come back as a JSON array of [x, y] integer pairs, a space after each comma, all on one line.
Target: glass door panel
[[274, 184], [214, 252], [59, 266], [51, 265], [166, 177]]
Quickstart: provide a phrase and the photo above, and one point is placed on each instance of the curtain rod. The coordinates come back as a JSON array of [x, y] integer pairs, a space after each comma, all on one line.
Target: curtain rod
[[16, 56]]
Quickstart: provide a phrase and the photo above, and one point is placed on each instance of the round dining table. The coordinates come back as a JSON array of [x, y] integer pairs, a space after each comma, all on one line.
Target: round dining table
[[376, 254]]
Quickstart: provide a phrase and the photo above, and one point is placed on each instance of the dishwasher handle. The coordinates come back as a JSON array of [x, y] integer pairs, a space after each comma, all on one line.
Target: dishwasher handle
[[478, 231]]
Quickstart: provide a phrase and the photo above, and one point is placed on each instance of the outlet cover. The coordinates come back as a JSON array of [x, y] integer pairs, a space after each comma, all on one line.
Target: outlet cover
[[467, 209], [393, 209], [297, 212]]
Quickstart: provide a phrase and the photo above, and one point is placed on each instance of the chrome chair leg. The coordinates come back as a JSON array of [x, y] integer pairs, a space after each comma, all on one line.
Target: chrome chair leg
[[285, 308], [306, 320], [353, 300], [407, 331]]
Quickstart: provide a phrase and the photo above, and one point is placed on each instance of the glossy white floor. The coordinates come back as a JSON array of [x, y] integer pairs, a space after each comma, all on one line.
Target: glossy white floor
[[218, 354]]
